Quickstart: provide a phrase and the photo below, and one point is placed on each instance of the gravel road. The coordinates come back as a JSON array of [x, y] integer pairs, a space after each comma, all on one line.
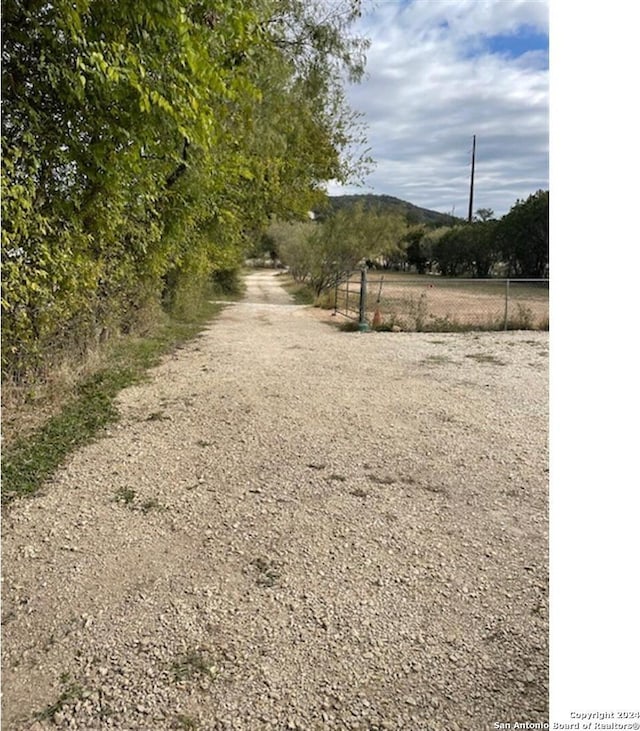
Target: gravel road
[[293, 527]]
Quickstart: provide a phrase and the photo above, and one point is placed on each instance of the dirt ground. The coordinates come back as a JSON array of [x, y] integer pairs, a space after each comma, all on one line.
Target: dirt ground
[[423, 304], [293, 527]]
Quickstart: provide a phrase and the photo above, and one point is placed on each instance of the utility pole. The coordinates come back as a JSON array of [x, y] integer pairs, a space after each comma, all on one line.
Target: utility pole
[[473, 169]]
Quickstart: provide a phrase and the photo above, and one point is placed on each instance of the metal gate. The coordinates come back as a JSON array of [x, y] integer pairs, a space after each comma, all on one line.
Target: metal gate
[[419, 303], [350, 296]]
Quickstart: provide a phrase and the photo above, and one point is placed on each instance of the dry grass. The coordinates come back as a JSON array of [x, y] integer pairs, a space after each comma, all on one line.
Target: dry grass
[[44, 420], [27, 407], [431, 304]]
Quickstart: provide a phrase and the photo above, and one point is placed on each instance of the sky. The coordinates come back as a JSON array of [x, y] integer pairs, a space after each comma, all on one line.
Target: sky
[[441, 71]]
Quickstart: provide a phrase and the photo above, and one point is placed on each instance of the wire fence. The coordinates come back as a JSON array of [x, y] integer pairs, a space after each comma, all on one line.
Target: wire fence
[[423, 303]]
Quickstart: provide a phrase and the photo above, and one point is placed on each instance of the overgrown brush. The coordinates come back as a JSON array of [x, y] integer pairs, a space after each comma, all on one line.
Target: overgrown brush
[[42, 423]]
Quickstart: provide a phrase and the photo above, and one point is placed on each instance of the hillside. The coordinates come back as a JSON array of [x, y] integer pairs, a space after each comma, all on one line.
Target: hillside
[[387, 203]]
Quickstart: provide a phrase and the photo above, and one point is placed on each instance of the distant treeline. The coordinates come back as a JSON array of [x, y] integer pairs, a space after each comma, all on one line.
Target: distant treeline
[[517, 245], [366, 229]]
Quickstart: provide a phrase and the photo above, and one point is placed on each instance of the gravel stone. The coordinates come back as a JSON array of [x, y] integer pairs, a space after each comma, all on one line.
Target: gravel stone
[[352, 534]]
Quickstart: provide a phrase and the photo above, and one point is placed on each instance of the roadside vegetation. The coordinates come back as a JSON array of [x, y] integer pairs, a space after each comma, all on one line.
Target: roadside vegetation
[[302, 293], [319, 252], [148, 145], [46, 422], [145, 148]]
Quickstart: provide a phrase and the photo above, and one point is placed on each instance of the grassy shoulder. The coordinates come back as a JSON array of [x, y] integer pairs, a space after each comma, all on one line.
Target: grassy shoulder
[[301, 292], [29, 460]]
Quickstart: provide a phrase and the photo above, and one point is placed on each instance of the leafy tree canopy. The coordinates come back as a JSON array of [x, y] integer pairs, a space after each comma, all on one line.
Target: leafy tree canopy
[[523, 236], [146, 142], [321, 252]]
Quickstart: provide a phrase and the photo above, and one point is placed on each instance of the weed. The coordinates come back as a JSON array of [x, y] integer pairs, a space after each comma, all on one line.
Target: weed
[[337, 478], [182, 721], [435, 360], [302, 294], [268, 572], [157, 416], [71, 692], [194, 663], [418, 312], [447, 324], [385, 327], [325, 301], [523, 320], [124, 495], [127, 495], [30, 460], [436, 489], [349, 326], [8, 617], [150, 504]]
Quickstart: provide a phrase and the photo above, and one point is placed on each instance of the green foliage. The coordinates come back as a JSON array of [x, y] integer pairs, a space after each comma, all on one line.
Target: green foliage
[[518, 242], [320, 253], [290, 241], [302, 294], [467, 250], [484, 214], [69, 695], [418, 250], [523, 237], [199, 662], [31, 460], [146, 143]]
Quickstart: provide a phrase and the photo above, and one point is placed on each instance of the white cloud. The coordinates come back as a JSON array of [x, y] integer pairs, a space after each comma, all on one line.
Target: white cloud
[[432, 83]]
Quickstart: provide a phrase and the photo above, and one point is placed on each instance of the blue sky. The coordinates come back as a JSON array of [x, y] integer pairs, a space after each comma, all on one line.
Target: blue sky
[[516, 44], [440, 71]]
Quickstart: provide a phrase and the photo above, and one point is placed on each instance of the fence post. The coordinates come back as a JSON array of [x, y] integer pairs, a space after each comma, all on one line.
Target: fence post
[[362, 320], [335, 296], [506, 304]]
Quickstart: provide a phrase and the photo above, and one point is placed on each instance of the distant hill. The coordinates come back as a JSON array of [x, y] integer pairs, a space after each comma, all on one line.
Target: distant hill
[[387, 203]]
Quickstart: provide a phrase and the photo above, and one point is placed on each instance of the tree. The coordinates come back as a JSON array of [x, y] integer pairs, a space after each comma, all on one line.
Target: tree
[[467, 250], [484, 214], [451, 252], [145, 143], [419, 249], [482, 249], [523, 236], [290, 239], [335, 246]]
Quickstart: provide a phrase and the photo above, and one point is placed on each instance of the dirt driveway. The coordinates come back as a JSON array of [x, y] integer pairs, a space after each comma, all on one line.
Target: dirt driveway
[[293, 527]]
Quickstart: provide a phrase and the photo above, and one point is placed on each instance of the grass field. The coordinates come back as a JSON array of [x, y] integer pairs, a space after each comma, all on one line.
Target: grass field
[[435, 304]]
